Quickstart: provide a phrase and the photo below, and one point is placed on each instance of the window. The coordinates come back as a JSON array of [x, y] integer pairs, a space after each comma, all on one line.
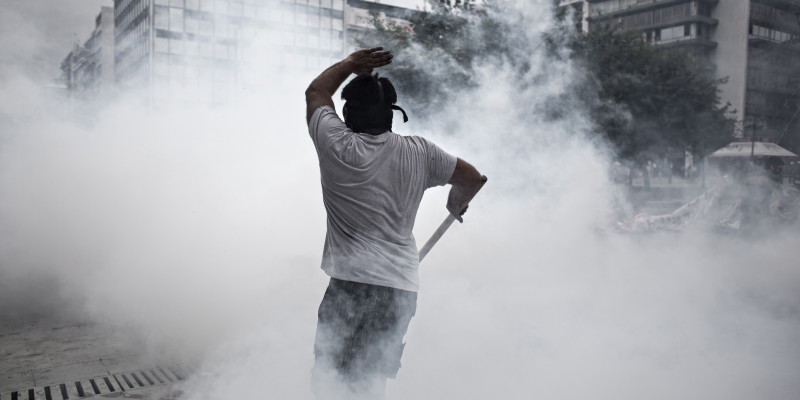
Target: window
[[666, 14], [206, 50], [771, 34], [221, 7], [176, 46], [176, 19], [192, 75], [673, 33], [161, 69], [192, 48], [176, 69], [161, 18], [207, 27], [221, 51], [192, 24], [704, 10], [221, 29], [162, 45], [235, 9]]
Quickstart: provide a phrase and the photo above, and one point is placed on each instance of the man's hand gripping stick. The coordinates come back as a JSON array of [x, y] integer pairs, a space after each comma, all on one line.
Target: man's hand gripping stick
[[446, 224]]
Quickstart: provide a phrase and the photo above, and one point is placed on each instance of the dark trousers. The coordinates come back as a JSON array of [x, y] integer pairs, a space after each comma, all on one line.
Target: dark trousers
[[359, 340]]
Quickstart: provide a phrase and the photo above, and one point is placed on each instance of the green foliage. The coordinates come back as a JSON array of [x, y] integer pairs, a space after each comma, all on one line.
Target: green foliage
[[437, 60], [652, 99], [644, 100], [430, 63]]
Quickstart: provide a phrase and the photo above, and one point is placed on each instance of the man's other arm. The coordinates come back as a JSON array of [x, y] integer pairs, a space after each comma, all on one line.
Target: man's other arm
[[466, 181], [320, 91]]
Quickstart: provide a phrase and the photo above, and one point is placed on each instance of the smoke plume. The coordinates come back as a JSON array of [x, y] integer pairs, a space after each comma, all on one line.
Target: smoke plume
[[202, 230]]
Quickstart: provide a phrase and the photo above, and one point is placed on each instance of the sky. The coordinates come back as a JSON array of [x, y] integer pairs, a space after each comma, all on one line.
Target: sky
[[44, 31]]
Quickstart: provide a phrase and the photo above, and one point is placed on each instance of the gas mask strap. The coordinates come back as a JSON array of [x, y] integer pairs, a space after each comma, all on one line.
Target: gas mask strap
[[405, 117]]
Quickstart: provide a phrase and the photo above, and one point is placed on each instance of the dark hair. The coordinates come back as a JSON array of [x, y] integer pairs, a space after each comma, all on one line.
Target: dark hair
[[367, 109]]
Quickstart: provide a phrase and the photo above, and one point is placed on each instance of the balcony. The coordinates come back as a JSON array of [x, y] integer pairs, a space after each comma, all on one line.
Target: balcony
[[681, 21], [789, 88], [769, 44], [787, 5], [640, 7], [656, 15], [687, 42]]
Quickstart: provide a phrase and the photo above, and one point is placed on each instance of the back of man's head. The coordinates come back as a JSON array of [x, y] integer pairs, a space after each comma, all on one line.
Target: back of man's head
[[368, 104]]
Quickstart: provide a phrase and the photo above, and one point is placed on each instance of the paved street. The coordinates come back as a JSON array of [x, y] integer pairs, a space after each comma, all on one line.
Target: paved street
[[46, 359]]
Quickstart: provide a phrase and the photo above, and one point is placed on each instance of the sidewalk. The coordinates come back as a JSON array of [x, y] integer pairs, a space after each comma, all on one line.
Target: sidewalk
[[52, 360]]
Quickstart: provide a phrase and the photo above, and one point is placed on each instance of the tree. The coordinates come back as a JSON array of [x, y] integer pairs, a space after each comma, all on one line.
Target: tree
[[432, 61], [436, 59], [651, 99], [643, 99]]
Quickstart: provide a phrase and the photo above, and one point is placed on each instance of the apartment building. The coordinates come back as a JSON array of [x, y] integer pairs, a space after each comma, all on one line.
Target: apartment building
[[752, 43], [198, 50], [88, 70], [195, 47]]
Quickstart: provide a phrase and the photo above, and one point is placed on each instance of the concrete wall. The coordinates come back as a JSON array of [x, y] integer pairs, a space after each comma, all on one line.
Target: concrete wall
[[730, 55]]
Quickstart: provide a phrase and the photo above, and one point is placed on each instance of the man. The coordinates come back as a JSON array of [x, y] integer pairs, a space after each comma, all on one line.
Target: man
[[372, 184]]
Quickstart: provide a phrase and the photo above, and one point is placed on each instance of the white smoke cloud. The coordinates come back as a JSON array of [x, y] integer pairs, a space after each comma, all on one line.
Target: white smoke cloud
[[201, 229]]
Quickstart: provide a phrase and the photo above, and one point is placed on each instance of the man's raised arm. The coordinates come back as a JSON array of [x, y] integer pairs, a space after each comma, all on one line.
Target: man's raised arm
[[320, 91]]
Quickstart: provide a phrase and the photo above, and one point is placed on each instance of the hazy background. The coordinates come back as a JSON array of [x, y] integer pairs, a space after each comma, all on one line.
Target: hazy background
[[201, 230]]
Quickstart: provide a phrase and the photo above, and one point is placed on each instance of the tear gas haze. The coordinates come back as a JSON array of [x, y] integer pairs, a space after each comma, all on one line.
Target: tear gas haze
[[202, 228]]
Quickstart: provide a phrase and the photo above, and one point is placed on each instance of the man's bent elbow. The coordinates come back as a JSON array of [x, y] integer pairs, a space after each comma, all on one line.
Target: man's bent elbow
[[465, 175], [311, 93], [315, 98]]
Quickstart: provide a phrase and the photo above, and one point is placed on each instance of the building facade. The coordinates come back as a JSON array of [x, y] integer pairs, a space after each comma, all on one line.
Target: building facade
[[88, 70], [196, 47], [753, 44], [200, 50]]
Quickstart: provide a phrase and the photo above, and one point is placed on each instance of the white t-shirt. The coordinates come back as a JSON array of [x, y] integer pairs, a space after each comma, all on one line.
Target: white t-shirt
[[372, 186]]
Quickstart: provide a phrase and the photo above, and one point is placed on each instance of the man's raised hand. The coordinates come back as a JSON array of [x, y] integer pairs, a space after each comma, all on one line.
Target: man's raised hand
[[365, 60]]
